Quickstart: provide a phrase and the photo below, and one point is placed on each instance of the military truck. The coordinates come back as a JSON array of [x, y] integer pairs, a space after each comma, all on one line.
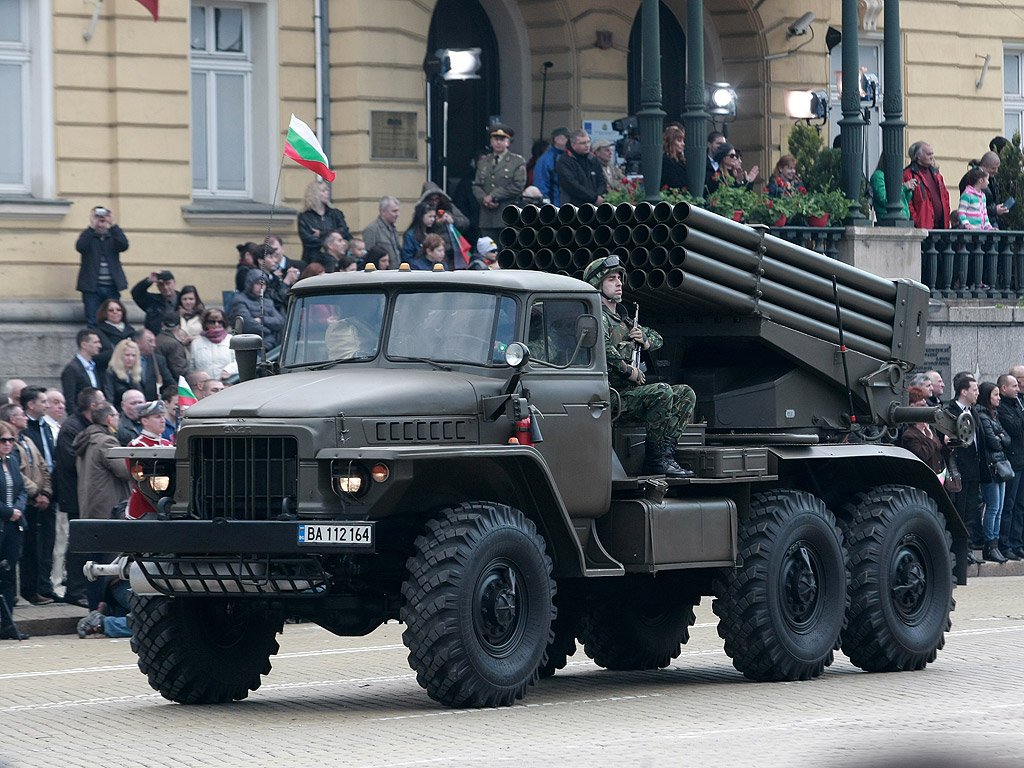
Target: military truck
[[443, 449]]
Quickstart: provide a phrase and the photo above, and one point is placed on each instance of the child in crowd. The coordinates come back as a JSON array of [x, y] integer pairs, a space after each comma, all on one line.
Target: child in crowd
[[972, 208]]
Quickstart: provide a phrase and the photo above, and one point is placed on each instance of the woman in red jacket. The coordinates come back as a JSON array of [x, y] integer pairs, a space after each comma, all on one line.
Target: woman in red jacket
[[929, 205]]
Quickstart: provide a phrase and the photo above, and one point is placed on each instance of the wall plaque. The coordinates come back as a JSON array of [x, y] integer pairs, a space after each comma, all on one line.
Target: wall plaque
[[393, 136]]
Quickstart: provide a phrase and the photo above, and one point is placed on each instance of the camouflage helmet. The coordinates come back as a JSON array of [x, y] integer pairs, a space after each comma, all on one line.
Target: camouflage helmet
[[599, 269]]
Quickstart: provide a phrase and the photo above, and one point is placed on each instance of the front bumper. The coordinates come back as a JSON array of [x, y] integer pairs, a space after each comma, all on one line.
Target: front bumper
[[203, 537]]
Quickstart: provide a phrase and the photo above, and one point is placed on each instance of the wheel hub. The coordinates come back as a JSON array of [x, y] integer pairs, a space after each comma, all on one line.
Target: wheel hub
[[800, 585], [499, 620], [909, 578]]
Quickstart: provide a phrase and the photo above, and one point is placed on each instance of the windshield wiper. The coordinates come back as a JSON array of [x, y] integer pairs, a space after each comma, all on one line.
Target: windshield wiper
[[426, 360], [332, 363]]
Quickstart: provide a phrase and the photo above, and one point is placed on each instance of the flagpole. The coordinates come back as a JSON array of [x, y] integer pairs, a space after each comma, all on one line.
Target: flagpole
[[266, 248]]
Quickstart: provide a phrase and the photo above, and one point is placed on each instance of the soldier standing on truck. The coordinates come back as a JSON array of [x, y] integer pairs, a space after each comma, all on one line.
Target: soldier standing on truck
[[664, 409]]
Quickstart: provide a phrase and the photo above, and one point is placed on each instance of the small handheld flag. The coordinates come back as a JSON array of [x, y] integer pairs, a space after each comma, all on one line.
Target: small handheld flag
[[186, 396], [302, 147]]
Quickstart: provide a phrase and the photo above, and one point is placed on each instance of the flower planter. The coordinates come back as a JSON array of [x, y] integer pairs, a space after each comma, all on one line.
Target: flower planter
[[818, 221], [781, 222], [737, 215]]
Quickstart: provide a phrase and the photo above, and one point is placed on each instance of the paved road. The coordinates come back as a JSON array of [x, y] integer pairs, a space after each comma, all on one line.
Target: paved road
[[353, 701]]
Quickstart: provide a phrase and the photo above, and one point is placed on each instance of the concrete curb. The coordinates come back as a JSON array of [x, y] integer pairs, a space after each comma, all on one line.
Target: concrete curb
[[52, 619], [62, 619]]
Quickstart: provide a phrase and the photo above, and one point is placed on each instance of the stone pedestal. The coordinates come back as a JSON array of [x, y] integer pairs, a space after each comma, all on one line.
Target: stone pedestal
[[884, 251]]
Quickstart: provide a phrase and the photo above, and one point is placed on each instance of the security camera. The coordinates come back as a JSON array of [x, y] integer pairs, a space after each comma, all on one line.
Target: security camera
[[800, 26]]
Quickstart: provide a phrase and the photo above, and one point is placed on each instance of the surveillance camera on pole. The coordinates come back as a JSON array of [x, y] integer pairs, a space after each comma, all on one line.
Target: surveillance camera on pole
[[800, 26]]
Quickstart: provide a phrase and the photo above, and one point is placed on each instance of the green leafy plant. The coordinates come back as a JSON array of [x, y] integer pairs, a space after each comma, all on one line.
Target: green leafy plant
[[728, 199], [1011, 183], [805, 143]]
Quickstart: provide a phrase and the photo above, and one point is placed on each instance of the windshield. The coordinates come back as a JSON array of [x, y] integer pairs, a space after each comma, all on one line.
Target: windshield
[[334, 328], [452, 327]]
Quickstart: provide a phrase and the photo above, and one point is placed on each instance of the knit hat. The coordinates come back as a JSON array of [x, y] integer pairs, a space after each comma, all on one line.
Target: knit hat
[[485, 245], [722, 151]]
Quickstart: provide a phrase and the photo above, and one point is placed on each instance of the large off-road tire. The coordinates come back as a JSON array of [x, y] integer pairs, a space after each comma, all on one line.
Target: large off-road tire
[[202, 650], [636, 623], [478, 605], [565, 629], [901, 579], [782, 608]]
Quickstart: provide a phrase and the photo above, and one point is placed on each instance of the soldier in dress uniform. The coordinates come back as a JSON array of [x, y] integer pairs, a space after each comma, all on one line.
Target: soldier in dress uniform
[[500, 180], [664, 409]]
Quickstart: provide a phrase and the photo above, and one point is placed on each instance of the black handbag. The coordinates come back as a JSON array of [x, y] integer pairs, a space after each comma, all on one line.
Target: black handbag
[[1001, 470]]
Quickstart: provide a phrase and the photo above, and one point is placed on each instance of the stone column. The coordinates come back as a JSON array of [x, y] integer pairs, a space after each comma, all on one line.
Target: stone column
[[893, 124], [695, 118], [852, 124], [651, 116]]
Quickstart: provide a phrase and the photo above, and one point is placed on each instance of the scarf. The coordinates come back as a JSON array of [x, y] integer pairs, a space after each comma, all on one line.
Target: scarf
[[215, 335]]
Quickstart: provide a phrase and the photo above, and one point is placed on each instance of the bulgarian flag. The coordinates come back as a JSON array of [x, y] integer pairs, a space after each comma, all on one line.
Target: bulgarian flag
[[186, 396], [304, 149], [153, 6]]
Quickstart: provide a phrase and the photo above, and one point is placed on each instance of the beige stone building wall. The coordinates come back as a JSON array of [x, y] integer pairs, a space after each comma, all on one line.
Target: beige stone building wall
[[122, 108]]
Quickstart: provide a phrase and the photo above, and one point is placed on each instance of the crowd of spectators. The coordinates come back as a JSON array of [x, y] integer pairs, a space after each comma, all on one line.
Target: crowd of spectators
[[985, 476]]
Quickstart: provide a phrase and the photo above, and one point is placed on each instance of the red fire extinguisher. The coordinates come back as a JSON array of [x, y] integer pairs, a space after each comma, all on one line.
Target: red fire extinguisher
[[522, 433]]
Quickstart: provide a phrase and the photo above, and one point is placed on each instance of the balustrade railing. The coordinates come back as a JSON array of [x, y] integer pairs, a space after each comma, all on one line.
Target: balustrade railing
[[972, 264], [821, 239]]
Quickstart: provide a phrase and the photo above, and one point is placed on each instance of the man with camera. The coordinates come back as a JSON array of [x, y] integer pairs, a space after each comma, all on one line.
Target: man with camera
[[155, 304], [100, 275]]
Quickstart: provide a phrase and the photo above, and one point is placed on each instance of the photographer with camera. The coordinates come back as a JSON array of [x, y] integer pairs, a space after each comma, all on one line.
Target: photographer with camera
[[13, 499], [100, 275]]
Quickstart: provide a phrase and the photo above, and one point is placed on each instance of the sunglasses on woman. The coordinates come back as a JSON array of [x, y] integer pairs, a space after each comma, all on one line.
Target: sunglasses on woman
[[7, 440]]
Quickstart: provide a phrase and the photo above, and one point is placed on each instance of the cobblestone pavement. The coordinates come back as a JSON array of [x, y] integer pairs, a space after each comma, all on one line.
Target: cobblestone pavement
[[334, 701]]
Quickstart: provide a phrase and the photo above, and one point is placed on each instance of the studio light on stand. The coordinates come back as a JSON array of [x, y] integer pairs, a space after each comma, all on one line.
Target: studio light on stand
[[720, 103], [446, 65], [807, 105]]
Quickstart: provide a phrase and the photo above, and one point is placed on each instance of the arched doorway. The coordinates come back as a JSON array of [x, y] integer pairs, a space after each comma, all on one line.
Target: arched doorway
[[463, 24], [673, 64]]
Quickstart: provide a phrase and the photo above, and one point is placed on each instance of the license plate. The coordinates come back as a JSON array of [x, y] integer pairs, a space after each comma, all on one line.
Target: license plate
[[346, 534]]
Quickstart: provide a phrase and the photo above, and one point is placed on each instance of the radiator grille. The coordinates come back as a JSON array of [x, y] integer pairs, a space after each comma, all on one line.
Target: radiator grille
[[244, 478]]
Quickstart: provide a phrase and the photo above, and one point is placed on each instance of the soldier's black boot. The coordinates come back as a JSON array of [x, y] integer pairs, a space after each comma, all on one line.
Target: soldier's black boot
[[671, 443], [654, 458]]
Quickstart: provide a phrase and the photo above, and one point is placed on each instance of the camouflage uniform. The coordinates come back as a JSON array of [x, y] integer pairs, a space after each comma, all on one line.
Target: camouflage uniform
[[664, 409]]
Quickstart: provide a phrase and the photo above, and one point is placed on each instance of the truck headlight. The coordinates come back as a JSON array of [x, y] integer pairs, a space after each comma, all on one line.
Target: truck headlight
[[350, 479], [150, 476], [160, 483]]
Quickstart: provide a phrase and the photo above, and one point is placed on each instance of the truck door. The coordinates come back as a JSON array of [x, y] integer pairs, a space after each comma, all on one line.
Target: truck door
[[573, 403]]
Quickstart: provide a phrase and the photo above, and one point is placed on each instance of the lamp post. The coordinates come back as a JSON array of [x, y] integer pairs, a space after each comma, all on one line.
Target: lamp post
[[893, 124], [852, 124], [695, 119], [651, 115]]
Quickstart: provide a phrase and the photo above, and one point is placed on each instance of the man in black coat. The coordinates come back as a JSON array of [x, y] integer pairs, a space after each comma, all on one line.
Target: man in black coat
[[81, 371], [968, 500], [155, 304], [989, 163], [152, 364], [65, 483], [1011, 416], [100, 275], [580, 175]]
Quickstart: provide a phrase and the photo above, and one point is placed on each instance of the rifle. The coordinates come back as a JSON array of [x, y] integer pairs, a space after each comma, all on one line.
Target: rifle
[[638, 347]]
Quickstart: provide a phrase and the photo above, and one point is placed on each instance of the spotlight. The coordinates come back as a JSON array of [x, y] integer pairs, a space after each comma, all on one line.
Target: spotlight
[[807, 105], [720, 100], [460, 63]]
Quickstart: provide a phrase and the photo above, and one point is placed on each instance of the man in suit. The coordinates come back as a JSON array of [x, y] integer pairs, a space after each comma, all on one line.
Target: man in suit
[[81, 371], [968, 501], [40, 514], [155, 372]]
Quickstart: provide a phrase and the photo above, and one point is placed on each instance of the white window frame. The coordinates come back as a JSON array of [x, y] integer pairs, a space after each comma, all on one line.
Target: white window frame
[[1013, 103], [33, 54], [210, 63]]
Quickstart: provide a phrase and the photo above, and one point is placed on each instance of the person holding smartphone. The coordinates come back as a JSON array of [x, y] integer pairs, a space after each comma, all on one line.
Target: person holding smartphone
[[100, 275]]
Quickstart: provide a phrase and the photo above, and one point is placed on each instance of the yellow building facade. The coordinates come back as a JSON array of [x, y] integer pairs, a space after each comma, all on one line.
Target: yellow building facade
[[178, 125]]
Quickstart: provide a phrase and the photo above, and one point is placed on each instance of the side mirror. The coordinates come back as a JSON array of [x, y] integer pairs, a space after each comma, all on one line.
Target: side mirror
[[586, 331], [248, 347]]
